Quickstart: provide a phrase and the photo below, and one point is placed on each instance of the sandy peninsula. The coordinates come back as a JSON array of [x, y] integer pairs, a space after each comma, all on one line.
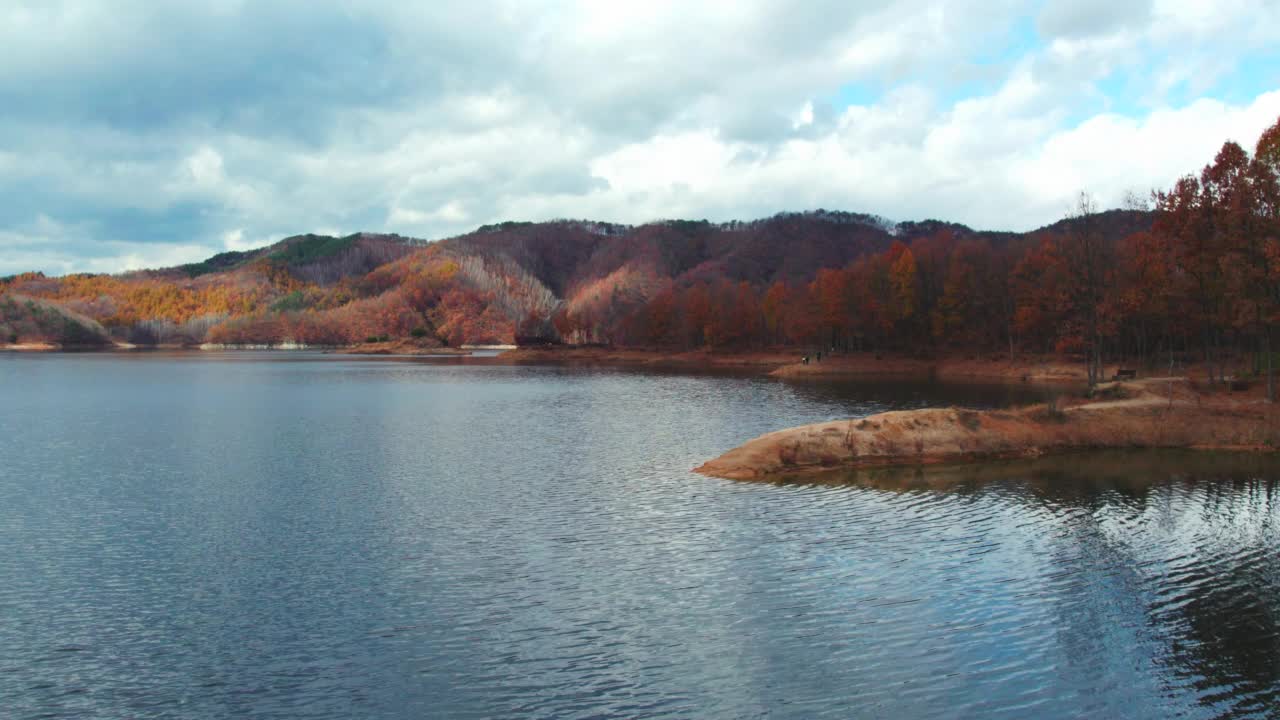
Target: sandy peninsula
[[1152, 413]]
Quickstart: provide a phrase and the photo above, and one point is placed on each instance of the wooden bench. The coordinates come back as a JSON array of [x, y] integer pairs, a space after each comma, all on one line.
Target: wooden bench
[[1125, 374]]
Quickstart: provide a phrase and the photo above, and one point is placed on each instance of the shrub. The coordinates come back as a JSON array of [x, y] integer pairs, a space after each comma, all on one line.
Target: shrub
[[418, 332]]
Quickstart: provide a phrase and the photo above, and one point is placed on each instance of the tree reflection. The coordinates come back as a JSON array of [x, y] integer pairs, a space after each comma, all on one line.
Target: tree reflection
[[1182, 545]]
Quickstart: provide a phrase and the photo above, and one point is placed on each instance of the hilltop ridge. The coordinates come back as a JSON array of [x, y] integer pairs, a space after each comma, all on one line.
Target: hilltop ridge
[[556, 281]]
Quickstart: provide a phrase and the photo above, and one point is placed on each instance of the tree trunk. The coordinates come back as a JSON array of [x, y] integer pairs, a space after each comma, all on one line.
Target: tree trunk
[[1266, 348], [1208, 353]]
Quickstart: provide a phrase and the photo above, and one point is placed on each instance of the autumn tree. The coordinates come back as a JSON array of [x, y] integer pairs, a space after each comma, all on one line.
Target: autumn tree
[[773, 308], [1265, 176], [904, 284]]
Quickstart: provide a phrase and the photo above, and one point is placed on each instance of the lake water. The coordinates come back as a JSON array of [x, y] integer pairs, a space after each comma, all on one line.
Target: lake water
[[307, 536]]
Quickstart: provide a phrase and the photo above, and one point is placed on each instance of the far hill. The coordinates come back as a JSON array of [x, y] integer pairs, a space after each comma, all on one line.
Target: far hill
[[1198, 278], [320, 258], [673, 282]]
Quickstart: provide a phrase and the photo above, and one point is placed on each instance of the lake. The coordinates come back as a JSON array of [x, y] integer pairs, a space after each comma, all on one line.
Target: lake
[[309, 536]]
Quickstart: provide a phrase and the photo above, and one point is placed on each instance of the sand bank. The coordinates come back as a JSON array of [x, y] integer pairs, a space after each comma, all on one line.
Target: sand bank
[[1155, 413]]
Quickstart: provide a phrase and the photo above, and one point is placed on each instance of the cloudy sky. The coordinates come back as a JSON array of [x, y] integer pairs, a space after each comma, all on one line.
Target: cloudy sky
[[139, 133]]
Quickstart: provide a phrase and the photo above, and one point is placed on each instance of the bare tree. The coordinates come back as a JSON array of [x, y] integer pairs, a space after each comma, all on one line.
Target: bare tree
[[1085, 253]]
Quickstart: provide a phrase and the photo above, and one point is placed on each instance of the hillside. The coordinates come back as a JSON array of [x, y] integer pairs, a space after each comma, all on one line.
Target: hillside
[[671, 283], [320, 259], [26, 321]]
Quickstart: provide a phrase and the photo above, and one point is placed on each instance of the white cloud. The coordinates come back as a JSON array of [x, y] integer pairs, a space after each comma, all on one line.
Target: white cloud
[[138, 256], [205, 167], [236, 240], [155, 129], [56, 247], [450, 212], [991, 168], [1168, 143]]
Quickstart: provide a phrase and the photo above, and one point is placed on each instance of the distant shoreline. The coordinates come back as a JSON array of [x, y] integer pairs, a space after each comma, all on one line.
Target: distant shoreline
[[395, 347], [782, 363], [789, 364]]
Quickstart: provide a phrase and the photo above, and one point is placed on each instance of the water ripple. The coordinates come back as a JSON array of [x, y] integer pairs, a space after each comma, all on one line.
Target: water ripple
[[318, 537]]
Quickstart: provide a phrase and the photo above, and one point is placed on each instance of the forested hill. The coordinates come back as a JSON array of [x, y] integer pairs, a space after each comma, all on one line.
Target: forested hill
[[670, 283]]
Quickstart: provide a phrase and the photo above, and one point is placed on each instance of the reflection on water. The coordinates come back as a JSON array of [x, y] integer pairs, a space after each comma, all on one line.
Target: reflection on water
[[1193, 533], [310, 536], [1086, 475]]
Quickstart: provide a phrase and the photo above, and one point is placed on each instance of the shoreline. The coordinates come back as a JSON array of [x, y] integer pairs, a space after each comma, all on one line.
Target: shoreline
[[387, 348], [780, 363], [956, 369], [763, 362], [46, 347], [397, 347], [787, 364], [1152, 413]]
